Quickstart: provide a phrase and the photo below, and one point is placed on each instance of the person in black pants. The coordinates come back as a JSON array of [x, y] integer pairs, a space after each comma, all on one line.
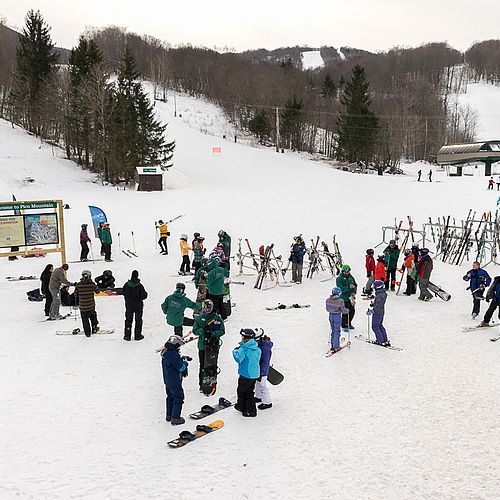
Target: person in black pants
[[45, 279], [84, 243], [134, 295], [493, 295]]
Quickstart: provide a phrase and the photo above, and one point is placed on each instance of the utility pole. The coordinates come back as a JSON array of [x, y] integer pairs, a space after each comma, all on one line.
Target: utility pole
[[175, 105], [277, 130]]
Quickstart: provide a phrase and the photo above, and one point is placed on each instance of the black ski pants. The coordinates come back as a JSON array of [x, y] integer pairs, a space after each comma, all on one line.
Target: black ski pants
[[185, 266], [89, 321], [130, 316], [411, 285], [391, 279], [163, 244], [201, 358], [218, 301], [491, 310], [85, 250], [107, 251], [476, 301], [347, 318], [48, 302], [246, 397]]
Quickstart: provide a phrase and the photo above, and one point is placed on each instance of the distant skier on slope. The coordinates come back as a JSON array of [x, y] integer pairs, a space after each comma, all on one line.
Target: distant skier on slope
[[335, 307], [377, 312], [348, 286], [479, 280]]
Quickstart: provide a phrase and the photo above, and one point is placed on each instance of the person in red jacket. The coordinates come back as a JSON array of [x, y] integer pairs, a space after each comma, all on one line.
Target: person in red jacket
[[370, 272], [380, 273]]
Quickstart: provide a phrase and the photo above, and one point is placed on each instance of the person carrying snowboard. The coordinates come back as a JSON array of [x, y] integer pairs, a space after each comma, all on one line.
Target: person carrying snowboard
[[134, 295], [479, 280], [84, 243], [174, 368], [262, 394], [424, 270], [348, 286], [84, 294], [493, 295], [335, 307], [57, 278], [215, 285], [208, 326], [409, 266], [370, 272], [247, 355], [164, 234], [44, 288], [297, 258], [106, 281], [391, 257], [186, 264], [175, 305], [377, 311]]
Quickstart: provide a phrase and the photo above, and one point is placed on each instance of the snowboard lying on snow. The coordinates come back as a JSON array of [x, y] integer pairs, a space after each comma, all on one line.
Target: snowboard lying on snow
[[186, 437], [283, 306], [207, 410], [77, 331]]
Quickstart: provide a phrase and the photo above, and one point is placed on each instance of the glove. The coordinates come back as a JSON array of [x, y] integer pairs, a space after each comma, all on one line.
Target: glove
[[168, 233], [369, 312]]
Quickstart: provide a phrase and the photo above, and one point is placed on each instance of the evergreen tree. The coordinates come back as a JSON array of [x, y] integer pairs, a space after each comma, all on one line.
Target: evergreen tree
[[328, 89], [291, 125], [35, 64], [260, 126], [357, 124]]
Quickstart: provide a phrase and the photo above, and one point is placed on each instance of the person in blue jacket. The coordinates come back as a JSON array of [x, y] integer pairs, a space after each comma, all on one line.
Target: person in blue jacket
[[479, 280], [297, 259], [174, 368], [247, 355], [262, 394], [493, 295]]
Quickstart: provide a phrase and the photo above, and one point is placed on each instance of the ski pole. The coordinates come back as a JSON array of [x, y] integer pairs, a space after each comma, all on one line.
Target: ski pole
[[368, 327], [119, 242], [349, 331], [133, 241], [91, 253], [156, 238]]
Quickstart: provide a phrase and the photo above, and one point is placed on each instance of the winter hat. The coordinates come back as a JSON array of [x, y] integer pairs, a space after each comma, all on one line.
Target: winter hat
[[180, 286], [381, 258], [184, 236], [370, 251], [336, 291], [392, 242], [135, 275], [86, 274], [378, 284], [84, 225], [248, 333], [175, 341]]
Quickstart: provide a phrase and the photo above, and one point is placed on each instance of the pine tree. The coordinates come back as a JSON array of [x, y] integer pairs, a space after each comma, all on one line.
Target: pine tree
[[291, 125], [260, 126], [328, 88], [35, 64], [357, 124]]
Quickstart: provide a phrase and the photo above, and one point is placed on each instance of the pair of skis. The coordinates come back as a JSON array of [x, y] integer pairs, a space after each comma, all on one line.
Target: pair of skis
[[129, 253], [482, 327]]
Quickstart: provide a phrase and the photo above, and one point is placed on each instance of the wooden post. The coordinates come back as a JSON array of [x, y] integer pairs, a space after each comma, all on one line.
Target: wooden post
[[62, 241]]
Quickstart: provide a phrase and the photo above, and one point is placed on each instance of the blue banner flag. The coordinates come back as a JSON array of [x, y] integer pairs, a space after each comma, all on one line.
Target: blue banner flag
[[97, 216]]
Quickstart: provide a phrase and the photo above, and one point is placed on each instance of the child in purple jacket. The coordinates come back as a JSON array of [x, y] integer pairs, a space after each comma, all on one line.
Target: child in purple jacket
[[262, 394], [335, 307]]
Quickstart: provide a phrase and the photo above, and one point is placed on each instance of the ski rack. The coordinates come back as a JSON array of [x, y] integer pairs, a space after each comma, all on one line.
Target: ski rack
[[275, 271], [395, 230]]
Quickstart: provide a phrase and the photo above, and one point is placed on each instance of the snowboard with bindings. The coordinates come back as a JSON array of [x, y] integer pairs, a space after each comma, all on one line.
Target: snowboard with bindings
[[210, 368], [274, 377], [186, 437], [64, 316], [439, 292], [20, 278], [207, 410], [293, 306], [364, 339], [226, 298], [78, 331], [109, 293]]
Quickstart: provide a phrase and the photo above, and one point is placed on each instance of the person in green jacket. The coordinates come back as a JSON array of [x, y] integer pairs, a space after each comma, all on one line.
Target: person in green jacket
[[215, 285], [391, 263], [349, 287], [175, 305], [207, 324], [106, 241]]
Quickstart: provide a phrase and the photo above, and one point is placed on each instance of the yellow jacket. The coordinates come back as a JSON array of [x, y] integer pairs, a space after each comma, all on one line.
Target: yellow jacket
[[163, 230], [184, 247]]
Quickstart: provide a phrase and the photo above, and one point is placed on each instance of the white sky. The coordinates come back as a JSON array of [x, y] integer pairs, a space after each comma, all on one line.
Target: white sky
[[366, 24]]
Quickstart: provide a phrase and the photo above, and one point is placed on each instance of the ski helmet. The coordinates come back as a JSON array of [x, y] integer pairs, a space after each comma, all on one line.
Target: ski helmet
[[424, 251], [298, 238], [196, 235], [175, 340], [259, 333], [184, 236], [346, 268], [107, 272], [86, 273], [370, 251], [248, 333], [221, 233], [378, 284], [207, 306], [180, 286], [336, 291], [381, 258], [407, 252], [84, 225], [204, 262], [392, 242], [414, 246]]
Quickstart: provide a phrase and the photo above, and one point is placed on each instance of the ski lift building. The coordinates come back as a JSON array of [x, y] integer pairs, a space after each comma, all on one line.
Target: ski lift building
[[458, 155], [149, 178]]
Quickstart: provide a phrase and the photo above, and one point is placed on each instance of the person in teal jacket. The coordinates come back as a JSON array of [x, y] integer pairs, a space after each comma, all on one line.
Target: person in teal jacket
[[391, 261], [215, 285], [106, 241], [208, 323], [349, 287], [175, 305], [247, 355]]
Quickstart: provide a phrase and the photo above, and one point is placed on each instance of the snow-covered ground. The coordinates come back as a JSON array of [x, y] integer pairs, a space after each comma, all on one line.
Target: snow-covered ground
[[84, 418], [311, 59]]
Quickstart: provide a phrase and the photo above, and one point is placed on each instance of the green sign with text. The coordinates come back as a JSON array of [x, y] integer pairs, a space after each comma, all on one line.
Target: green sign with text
[[28, 205]]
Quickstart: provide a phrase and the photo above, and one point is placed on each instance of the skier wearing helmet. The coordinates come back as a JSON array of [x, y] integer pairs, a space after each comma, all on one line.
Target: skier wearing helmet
[[377, 311], [84, 295], [348, 286], [175, 305], [186, 265], [84, 243], [106, 280], [335, 307], [297, 259], [391, 259]]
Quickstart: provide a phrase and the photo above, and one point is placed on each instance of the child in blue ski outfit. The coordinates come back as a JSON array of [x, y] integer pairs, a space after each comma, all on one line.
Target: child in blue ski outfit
[[174, 368], [335, 307], [377, 312]]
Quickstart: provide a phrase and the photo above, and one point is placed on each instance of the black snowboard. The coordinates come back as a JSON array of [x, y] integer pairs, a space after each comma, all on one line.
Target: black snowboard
[[210, 368], [207, 410], [439, 292], [274, 377]]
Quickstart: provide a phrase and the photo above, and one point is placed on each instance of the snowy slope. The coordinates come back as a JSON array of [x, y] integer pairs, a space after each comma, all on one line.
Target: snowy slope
[[84, 418], [312, 59]]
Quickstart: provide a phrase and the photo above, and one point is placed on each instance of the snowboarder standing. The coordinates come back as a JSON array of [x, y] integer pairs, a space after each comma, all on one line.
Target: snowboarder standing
[[84, 294], [297, 259], [392, 255], [247, 355], [134, 295], [174, 367], [207, 325], [377, 313], [215, 285], [262, 394], [164, 234], [186, 264], [57, 279], [348, 286], [479, 280], [45, 280], [493, 295], [336, 308], [370, 271], [107, 241], [175, 305], [84, 243], [424, 270]]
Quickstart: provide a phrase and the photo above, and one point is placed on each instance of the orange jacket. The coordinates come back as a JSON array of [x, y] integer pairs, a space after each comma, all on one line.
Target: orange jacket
[[184, 247], [380, 271], [408, 263]]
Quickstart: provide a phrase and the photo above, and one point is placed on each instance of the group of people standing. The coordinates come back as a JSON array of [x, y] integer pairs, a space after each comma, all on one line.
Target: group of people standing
[[104, 235]]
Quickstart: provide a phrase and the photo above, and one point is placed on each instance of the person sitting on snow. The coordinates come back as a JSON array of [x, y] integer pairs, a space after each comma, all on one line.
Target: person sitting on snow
[[106, 280]]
